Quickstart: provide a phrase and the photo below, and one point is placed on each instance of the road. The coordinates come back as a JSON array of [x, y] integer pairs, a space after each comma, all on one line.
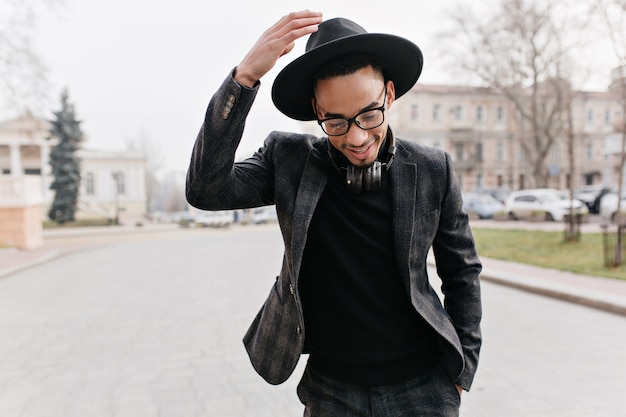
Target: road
[[151, 325]]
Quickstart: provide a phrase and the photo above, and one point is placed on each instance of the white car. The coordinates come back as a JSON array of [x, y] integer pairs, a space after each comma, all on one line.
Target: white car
[[608, 207], [481, 205], [542, 203], [215, 218], [261, 215]]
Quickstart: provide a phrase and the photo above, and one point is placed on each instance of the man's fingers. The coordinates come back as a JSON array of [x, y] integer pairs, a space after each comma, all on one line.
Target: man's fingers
[[275, 42], [296, 25]]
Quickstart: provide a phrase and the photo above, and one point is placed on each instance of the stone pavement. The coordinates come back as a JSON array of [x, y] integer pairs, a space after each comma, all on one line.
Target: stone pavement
[[602, 293], [148, 330]]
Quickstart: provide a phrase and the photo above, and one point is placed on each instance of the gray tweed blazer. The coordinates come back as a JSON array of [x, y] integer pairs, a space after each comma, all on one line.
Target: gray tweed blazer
[[288, 171]]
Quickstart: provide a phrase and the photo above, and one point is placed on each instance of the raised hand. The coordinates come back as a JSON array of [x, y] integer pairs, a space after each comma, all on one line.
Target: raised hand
[[275, 42]]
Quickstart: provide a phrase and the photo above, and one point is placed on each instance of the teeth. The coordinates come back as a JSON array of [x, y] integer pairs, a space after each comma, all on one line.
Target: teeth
[[361, 150]]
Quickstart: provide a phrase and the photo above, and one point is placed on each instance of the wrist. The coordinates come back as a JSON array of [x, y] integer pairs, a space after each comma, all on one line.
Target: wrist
[[244, 79]]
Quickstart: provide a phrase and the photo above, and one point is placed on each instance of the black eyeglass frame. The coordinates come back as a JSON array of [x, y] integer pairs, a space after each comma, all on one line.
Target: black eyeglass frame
[[354, 119]]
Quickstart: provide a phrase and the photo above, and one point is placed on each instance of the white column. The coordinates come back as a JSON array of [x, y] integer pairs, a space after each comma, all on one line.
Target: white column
[[46, 171], [16, 160]]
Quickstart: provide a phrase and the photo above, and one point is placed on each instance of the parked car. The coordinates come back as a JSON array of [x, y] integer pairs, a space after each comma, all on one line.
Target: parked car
[[176, 217], [266, 214], [215, 218], [542, 203], [498, 193], [608, 207], [592, 196], [482, 205]]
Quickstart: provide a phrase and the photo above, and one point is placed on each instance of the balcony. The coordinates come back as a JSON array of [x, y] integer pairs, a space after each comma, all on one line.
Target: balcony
[[462, 134], [468, 163], [20, 191]]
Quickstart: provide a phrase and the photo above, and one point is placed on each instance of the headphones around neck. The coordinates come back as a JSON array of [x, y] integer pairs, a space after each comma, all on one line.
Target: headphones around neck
[[366, 179]]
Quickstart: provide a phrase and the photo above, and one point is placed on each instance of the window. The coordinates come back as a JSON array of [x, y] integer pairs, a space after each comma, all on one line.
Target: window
[[500, 152], [415, 112], [120, 183], [479, 114], [90, 187], [479, 152], [500, 114], [522, 155], [590, 116], [436, 113], [458, 112], [607, 117], [526, 198], [589, 152], [459, 151]]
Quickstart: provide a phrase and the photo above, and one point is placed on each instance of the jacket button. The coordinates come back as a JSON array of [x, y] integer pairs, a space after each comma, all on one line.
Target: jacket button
[[298, 329], [291, 289]]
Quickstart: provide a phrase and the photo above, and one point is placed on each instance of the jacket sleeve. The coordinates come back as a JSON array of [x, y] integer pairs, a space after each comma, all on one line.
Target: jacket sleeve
[[459, 267], [214, 181]]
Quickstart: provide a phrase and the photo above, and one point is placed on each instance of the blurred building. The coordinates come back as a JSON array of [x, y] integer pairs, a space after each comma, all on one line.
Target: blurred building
[[478, 127], [112, 182]]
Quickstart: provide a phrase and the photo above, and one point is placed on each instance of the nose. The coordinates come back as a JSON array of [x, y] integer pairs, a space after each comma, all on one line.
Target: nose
[[356, 137]]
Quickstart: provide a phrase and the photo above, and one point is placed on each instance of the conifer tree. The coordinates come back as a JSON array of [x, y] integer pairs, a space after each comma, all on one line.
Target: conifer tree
[[64, 162]]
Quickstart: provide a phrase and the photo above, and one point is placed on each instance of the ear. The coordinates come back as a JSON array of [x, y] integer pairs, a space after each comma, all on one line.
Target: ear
[[314, 106], [391, 93]]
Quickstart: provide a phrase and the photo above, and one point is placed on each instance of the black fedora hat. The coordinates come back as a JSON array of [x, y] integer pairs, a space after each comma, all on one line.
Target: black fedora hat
[[293, 89]]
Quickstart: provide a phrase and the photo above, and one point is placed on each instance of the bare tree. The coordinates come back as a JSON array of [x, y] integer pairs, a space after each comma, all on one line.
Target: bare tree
[[22, 71], [521, 48]]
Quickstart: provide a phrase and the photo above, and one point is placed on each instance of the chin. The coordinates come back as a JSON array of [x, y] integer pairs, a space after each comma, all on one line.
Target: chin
[[363, 164]]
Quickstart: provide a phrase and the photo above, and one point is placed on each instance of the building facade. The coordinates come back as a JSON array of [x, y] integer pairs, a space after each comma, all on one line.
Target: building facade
[[112, 182], [478, 127]]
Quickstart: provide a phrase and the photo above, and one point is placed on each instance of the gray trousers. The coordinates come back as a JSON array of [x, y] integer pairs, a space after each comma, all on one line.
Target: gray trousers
[[430, 396]]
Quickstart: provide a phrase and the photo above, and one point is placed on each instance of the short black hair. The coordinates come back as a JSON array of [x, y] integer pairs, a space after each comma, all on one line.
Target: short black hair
[[346, 65]]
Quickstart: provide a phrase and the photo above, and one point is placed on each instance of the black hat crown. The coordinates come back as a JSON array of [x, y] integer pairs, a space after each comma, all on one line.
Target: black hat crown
[[332, 30]]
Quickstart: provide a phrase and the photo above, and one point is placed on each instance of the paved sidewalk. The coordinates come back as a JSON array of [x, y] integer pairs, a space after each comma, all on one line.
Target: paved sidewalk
[[597, 292], [128, 322]]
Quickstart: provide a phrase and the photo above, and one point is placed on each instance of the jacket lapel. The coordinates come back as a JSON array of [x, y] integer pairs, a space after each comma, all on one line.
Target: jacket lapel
[[314, 178], [404, 183]]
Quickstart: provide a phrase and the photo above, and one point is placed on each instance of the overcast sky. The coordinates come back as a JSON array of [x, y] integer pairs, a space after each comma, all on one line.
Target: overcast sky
[[136, 67]]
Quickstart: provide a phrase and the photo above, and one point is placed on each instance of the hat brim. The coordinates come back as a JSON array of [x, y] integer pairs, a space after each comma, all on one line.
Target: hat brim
[[292, 90]]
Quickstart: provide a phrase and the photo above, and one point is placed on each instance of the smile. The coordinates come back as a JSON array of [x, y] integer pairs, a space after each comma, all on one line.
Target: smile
[[361, 150]]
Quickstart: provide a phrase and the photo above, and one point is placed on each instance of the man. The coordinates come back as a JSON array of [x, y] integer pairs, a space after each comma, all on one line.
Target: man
[[359, 211]]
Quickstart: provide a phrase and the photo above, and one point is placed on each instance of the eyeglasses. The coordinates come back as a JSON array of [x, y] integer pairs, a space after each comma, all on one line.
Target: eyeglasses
[[366, 120]]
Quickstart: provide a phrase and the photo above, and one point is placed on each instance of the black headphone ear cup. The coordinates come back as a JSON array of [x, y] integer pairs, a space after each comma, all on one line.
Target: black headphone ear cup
[[362, 179], [354, 179], [372, 177]]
